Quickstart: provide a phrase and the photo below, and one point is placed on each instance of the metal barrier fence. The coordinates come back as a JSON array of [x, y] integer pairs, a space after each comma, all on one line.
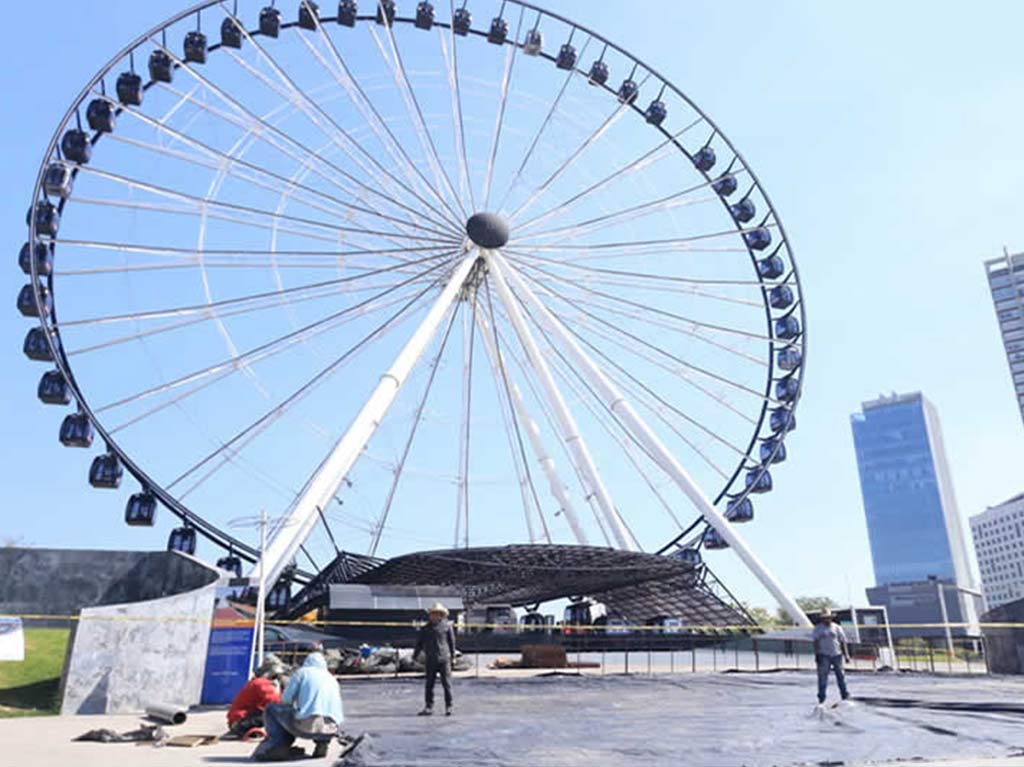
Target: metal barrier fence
[[656, 649]]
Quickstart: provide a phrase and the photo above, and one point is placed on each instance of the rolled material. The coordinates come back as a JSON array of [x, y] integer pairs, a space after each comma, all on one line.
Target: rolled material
[[164, 712]]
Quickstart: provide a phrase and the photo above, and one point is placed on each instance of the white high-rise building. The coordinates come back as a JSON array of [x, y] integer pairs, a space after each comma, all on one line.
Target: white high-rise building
[[1006, 281], [998, 534]]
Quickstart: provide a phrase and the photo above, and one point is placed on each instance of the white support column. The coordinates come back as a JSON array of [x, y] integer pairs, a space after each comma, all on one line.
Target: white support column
[[616, 402], [558, 488], [321, 487], [566, 423]]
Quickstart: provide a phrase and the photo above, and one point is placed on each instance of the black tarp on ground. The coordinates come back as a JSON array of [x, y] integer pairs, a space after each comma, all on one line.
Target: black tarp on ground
[[701, 720]]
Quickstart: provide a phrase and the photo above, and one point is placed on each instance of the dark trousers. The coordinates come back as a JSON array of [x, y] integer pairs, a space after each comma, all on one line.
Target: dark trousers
[[442, 667], [246, 723], [828, 663]]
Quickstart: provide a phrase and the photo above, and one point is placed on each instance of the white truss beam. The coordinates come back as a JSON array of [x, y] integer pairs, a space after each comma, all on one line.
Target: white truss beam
[[323, 484], [558, 488], [570, 433], [616, 402]]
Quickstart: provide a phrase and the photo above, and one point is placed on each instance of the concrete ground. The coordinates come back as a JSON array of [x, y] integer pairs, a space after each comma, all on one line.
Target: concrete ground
[[704, 720]]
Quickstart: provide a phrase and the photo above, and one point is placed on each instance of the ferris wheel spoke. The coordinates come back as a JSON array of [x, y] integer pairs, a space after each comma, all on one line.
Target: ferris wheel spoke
[[276, 412], [208, 380], [579, 287], [234, 361], [614, 428], [569, 430], [382, 521], [307, 158], [207, 317], [620, 111], [199, 211], [540, 131], [660, 151], [265, 126], [397, 67], [499, 120], [632, 274], [613, 249], [557, 487], [661, 404], [584, 394], [675, 287], [184, 310], [358, 96], [318, 116], [170, 251], [203, 203], [285, 187], [616, 400], [638, 317], [523, 421], [637, 212], [517, 449], [647, 356], [635, 338], [455, 91], [468, 357], [667, 413]]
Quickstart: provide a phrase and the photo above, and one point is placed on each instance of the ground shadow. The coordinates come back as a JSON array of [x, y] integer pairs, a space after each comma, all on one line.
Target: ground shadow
[[40, 695]]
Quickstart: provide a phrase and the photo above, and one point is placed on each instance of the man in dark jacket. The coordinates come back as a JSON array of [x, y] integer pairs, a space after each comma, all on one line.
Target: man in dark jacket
[[436, 641]]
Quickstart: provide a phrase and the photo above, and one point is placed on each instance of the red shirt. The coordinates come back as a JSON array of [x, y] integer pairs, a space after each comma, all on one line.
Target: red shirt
[[257, 694]]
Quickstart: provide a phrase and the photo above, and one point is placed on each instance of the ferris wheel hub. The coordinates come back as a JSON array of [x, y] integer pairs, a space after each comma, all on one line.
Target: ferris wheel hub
[[488, 230]]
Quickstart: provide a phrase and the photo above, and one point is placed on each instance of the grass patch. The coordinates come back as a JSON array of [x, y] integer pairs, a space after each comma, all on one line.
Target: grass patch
[[30, 688]]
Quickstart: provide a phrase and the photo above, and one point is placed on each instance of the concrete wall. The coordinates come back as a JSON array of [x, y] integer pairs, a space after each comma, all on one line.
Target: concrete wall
[[144, 621], [63, 581], [125, 657], [917, 602], [1005, 646]]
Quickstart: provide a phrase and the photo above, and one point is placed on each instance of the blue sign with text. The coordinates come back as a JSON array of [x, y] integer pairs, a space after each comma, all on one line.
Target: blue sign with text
[[227, 664]]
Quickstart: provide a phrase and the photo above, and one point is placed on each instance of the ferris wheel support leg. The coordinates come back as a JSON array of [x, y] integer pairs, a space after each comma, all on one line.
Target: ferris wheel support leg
[[547, 463], [566, 423], [617, 403], [323, 484]]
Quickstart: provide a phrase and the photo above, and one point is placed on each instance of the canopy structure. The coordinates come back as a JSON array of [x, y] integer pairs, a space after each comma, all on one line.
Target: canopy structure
[[634, 586]]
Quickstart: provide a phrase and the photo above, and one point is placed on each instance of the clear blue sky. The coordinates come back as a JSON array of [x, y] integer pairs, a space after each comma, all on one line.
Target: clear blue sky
[[889, 138]]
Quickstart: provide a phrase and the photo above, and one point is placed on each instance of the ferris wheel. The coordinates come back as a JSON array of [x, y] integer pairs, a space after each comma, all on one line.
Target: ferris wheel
[[410, 275]]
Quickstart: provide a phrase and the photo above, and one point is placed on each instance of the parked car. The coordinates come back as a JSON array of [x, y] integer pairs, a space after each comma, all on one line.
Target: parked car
[[293, 643]]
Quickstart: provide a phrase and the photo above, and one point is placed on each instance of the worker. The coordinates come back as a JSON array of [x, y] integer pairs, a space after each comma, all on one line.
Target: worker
[[436, 642], [310, 707], [830, 650], [246, 712]]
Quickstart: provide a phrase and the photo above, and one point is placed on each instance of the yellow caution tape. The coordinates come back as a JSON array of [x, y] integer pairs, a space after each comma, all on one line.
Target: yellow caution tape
[[513, 628]]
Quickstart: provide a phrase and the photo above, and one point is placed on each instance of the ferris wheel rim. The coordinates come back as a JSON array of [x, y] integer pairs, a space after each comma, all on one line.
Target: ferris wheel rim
[[51, 327]]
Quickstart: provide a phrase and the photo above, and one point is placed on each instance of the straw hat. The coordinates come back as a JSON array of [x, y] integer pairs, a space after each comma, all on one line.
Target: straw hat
[[826, 612], [438, 607], [271, 667]]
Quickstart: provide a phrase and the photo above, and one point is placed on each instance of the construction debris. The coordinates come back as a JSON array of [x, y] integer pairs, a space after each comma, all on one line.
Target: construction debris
[[191, 741], [147, 733], [368, 659]]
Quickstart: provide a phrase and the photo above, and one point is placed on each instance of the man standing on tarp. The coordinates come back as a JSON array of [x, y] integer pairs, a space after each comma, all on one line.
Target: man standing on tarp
[[830, 649], [437, 643]]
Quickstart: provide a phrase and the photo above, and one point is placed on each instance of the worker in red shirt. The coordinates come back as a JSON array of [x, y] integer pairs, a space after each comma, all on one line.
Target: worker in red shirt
[[246, 710]]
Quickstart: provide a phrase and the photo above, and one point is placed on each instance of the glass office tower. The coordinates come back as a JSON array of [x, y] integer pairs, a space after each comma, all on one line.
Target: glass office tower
[[913, 523], [1006, 281]]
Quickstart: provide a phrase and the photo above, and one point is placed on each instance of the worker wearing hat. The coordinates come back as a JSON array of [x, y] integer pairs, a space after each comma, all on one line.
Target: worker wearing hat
[[436, 641], [830, 649]]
